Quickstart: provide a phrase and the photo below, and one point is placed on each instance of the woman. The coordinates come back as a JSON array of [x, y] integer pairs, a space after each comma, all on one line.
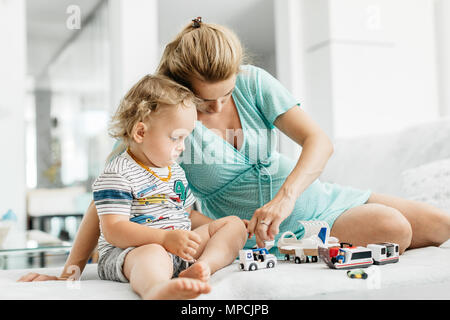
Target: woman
[[233, 168]]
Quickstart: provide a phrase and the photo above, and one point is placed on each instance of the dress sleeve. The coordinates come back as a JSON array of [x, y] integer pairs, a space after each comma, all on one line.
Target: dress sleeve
[[271, 97], [112, 194]]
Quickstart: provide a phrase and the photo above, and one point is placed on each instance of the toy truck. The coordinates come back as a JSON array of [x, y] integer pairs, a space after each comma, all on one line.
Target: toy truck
[[306, 249], [359, 257], [254, 259]]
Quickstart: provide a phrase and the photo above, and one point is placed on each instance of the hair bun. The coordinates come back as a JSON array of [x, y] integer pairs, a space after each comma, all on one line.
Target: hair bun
[[196, 23]]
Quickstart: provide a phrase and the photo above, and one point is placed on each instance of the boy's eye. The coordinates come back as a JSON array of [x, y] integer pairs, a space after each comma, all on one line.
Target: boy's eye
[[174, 138]]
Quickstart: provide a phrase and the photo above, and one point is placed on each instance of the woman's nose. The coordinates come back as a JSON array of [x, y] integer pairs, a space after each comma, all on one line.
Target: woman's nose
[[216, 106]]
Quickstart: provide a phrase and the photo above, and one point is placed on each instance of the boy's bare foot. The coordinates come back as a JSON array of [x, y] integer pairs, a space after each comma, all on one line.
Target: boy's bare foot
[[177, 289], [199, 270]]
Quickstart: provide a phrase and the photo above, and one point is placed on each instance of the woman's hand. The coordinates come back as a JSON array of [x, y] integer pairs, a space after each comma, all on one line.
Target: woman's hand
[[182, 243], [266, 220], [33, 276]]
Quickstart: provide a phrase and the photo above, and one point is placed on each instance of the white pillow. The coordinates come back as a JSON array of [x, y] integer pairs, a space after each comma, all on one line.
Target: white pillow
[[429, 183]]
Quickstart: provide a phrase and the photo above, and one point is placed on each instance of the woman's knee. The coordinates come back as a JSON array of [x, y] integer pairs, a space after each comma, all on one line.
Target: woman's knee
[[373, 223], [394, 227]]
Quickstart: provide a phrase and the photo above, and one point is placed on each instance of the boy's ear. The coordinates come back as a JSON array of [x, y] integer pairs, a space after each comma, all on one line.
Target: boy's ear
[[139, 132]]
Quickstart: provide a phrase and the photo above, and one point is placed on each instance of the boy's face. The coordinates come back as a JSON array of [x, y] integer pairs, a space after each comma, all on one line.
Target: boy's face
[[164, 134]]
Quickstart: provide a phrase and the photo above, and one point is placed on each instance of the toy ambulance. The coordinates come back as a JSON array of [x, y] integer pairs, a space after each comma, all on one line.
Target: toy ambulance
[[254, 259], [359, 257]]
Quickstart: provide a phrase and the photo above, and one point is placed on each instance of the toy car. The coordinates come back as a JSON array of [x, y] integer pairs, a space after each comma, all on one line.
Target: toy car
[[357, 273], [254, 259]]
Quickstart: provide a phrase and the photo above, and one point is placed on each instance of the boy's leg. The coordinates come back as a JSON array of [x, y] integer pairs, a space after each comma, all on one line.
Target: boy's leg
[[221, 241], [149, 270]]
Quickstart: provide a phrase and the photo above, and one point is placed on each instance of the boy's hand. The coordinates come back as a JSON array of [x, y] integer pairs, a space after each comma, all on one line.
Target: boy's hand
[[182, 243]]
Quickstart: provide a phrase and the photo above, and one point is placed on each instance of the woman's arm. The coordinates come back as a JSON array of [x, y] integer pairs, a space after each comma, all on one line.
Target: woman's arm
[[85, 242], [316, 150]]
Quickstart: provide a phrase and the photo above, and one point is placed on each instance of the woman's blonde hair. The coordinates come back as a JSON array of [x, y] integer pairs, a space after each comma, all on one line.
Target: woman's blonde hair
[[149, 95], [205, 51]]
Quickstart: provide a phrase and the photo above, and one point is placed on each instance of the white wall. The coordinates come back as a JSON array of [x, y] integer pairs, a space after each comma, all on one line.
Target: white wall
[[370, 65], [134, 43], [442, 12], [289, 60], [12, 93]]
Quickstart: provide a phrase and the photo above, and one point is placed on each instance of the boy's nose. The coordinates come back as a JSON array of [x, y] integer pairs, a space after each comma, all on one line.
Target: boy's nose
[[181, 146]]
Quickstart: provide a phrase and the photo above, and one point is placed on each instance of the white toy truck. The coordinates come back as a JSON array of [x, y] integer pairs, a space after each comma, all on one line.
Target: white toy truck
[[317, 233], [254, 259]]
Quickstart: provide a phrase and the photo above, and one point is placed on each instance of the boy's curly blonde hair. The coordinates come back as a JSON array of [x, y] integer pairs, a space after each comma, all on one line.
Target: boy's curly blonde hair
[[149, 95]]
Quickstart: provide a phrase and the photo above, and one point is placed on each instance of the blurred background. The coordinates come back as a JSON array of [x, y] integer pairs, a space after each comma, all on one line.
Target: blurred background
[[359, 67]]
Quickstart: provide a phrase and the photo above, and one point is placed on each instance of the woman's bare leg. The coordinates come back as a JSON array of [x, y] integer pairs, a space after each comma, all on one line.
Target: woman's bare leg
[[221, 241], [373, 223], [149, 270], [411, 224], [430, 225]]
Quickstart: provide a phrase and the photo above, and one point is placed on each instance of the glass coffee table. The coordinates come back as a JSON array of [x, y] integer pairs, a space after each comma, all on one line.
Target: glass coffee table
[[33, 249]]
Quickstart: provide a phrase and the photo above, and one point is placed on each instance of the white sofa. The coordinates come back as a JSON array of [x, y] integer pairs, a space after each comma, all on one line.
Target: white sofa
[[408, 163]]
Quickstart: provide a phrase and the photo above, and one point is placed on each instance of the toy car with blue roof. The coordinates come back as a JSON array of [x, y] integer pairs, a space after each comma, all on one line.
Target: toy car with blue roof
[[254, 259]]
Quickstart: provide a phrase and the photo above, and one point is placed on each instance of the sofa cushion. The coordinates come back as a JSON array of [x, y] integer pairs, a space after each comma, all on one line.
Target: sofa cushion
[[377, 162], [429, 183]]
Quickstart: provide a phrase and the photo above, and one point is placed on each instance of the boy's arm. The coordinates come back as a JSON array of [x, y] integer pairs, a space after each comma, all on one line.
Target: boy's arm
[[119, 231], [197, 218]]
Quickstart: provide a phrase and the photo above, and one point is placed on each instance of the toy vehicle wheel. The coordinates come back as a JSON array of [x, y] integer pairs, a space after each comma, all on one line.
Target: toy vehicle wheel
[[364, 275], [352, 276], [297, 260], [286, 257], [314, 259], [253, 267], [241, 266], [270, 264]]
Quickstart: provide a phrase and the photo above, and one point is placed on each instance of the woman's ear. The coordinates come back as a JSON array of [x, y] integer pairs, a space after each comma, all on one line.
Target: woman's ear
[[139, 132]]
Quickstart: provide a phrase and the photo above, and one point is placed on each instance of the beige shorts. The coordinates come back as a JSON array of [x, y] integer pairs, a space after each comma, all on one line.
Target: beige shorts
[[110, 264]]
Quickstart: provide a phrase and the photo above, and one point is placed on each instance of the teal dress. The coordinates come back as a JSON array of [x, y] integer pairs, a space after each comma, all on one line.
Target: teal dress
[[228, 182]]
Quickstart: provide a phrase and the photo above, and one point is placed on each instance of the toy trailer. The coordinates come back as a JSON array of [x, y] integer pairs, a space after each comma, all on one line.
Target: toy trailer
[[384, 253], [306, 249], [299, 255]]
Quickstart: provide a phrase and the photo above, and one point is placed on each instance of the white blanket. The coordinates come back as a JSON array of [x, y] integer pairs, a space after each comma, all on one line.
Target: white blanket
[[421, 274]]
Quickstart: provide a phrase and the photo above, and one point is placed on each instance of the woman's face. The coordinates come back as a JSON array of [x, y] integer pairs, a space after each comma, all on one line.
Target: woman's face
[[213, 94]]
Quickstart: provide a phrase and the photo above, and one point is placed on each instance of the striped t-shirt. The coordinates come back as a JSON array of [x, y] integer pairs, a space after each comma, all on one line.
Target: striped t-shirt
[[156, 199]]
